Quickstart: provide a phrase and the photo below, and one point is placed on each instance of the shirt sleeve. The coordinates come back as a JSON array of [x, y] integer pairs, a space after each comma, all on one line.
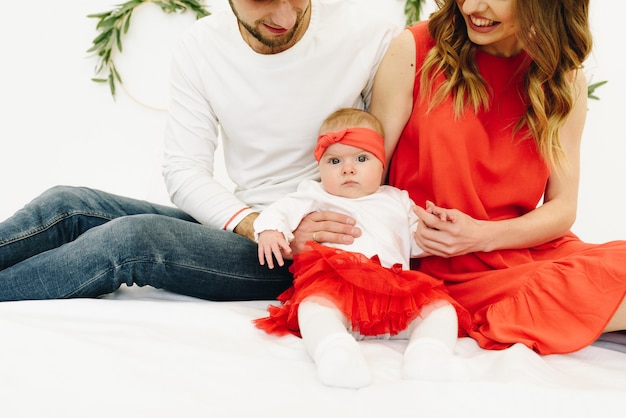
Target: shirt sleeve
[[191, 138], [285, 214], [416, 250]]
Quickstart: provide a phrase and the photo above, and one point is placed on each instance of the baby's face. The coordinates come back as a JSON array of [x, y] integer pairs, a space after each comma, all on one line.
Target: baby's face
[[349, 171]]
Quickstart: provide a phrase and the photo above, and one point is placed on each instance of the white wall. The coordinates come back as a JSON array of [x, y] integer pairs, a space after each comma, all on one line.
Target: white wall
[[58, 127]]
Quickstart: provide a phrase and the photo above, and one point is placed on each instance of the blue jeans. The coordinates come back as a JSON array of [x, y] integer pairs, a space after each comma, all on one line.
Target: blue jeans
[[77, 242]]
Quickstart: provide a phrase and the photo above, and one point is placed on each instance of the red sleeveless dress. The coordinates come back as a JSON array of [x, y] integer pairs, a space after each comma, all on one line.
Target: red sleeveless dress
[[556, 297]]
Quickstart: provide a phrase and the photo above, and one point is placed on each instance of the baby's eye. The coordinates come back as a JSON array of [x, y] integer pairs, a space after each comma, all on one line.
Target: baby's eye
[[361, 158], [335, 161]]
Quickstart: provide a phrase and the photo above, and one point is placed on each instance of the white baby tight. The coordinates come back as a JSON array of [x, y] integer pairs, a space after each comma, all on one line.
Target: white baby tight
[[340, 362]]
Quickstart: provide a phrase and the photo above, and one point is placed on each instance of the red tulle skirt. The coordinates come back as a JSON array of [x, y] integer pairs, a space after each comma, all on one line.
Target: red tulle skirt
[[375, 299]]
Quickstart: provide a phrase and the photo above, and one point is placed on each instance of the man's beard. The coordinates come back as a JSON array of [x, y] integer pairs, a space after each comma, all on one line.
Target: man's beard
[[273, 42]]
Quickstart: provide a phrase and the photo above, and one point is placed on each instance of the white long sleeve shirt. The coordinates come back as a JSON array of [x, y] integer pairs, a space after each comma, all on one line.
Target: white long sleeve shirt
[[268, 107], [385, 218]]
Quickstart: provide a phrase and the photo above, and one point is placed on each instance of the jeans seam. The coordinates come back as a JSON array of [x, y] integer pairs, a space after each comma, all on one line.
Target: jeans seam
[[223, 273], [55, 220], [153, 261]]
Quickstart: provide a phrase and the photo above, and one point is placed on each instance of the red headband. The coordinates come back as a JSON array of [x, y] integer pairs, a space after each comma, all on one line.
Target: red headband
[[364, 138]]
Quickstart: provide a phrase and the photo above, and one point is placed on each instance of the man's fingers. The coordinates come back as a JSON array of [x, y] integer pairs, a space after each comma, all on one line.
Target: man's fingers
[[337, 238], [332, 217]]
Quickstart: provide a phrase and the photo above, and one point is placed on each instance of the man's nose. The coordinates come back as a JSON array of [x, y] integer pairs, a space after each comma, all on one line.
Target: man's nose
[[285, 15]]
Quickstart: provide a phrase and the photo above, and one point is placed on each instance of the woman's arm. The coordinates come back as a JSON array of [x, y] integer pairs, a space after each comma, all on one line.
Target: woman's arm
[[551, 220], [392, 94]]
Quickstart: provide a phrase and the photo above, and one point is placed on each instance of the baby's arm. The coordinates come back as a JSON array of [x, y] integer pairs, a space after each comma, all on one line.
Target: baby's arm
[[444, 215], [274, 243]]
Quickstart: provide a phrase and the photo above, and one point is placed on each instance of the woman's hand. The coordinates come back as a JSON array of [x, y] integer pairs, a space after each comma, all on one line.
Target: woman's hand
[[448, 232], [324, 226]]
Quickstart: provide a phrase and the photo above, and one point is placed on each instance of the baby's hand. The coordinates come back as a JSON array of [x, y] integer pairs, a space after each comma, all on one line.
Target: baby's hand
[[272, 244]]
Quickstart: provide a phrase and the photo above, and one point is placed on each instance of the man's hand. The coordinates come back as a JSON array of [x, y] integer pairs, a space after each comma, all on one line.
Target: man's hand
[[324, 226], [246, 226]]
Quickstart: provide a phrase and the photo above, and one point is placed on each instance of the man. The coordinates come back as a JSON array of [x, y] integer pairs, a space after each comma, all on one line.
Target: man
[[264, 74]]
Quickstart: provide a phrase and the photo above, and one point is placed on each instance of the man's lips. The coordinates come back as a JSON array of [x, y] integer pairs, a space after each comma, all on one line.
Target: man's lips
[[275, 31]]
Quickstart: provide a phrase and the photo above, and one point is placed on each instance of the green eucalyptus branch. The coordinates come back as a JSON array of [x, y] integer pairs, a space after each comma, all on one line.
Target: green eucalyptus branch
[[591, 89], [413, 11], [111, 27]]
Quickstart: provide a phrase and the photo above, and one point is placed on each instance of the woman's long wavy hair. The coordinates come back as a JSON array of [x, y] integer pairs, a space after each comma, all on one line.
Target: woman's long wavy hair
[[556, 36]]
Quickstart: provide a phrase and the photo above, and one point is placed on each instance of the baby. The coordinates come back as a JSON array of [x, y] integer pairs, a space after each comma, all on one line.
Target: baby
[[366, 288]]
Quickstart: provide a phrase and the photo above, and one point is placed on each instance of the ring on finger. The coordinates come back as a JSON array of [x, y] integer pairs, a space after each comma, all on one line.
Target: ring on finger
[[314, 239]]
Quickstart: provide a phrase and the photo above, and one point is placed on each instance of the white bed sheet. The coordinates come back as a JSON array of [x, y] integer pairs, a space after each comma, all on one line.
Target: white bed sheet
[[142, 352]]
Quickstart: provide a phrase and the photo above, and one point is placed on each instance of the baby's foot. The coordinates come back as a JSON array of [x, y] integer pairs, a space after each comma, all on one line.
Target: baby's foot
[[341, 363], [427, 359]]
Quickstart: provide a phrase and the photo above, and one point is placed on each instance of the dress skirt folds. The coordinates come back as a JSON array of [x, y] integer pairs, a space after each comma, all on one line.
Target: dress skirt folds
[[376, 300]]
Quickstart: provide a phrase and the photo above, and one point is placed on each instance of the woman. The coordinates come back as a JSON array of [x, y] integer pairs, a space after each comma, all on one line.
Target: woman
[[485, 106]]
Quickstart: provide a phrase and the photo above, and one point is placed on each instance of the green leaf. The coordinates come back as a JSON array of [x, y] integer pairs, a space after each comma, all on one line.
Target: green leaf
[[591, 88], [113, 24], [116, 74], [412, 11], [103, 36], [112, 85], [129, 5], [127, 23], [98, 15], [118, 40]]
